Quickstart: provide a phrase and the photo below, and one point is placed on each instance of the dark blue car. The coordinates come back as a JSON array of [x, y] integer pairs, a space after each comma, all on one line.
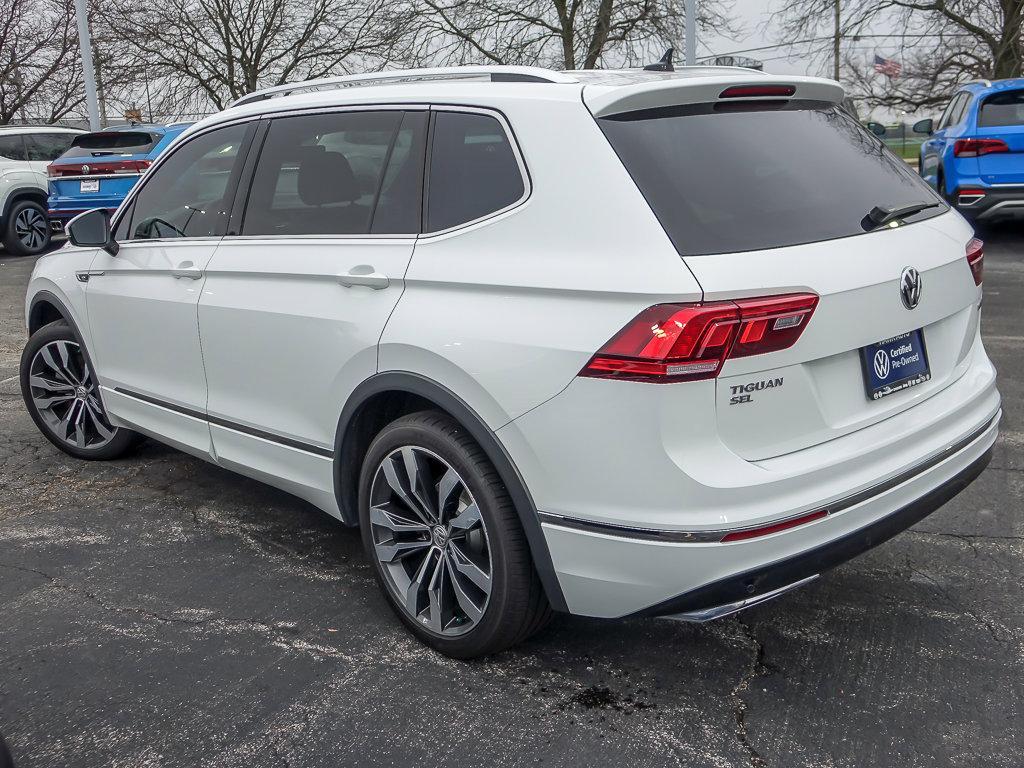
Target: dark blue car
[[100, 168], [975, 156]]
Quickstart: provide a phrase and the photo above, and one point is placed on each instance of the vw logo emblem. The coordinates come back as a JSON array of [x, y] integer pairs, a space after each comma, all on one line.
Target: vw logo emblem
[[910, 287], [85, 169], [882, 364]]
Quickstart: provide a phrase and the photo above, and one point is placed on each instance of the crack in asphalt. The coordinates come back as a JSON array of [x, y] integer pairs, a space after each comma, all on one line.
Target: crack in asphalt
[[756, 668], [988, 624]]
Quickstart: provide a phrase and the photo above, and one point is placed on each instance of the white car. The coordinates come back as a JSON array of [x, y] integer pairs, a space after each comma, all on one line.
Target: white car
[[610, 343], [25, 151]]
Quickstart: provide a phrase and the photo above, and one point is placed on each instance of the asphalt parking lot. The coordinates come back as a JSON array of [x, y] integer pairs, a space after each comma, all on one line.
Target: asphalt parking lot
[[160, 611]]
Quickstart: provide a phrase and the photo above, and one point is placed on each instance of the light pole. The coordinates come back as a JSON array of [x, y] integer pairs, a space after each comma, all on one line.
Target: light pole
[[691, 32], [88, 74]]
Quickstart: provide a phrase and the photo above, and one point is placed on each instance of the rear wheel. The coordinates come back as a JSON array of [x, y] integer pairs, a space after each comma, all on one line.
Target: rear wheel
[[26, 230], [445, 541], [61, 393]]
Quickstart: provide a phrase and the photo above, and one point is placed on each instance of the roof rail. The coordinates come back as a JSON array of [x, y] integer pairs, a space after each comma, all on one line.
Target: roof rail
[[983, 80], [494, 74]]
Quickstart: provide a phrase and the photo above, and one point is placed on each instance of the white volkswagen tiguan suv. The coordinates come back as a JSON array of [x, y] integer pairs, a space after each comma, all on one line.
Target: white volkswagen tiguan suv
[[611, 343]]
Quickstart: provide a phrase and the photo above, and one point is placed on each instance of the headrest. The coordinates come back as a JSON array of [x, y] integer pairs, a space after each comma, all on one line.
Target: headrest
[[325, 177]]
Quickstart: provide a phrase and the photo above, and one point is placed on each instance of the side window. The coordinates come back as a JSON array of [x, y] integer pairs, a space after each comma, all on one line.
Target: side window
[[944, 120], [323, 174], [961, 109], [473, 170], [12, 147], [47, 146], [186, 195]]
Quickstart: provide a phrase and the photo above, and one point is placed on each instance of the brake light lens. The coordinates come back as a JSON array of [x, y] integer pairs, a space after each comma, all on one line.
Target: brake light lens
[[686, 342], [976, 258], [105, 168], [753, 533], [753, 91], [978, 147]]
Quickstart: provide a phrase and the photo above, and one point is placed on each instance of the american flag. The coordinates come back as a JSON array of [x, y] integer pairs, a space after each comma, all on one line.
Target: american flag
[[888, 67]]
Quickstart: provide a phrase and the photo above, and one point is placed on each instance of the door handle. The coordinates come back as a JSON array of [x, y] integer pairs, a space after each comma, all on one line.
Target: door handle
[[188, 274], [364, 275]]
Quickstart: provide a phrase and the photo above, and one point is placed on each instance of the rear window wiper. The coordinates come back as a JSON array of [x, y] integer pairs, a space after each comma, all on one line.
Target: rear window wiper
[[881, 215]]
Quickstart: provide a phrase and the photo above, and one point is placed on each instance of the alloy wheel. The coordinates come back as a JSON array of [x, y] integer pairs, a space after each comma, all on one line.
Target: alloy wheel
[[30, 228], [64, 392], [431, 541]]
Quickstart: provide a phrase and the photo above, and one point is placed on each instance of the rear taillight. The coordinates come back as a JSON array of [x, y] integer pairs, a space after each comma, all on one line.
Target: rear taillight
[[686, 342], [976, 258], [105, 168], [978, 147], [754, 91]]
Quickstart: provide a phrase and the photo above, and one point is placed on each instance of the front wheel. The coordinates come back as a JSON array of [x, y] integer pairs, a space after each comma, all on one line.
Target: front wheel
[[62, 396], [446, 544], [27, 230]]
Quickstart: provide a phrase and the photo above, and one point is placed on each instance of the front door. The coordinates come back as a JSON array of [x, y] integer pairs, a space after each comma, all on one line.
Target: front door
[[293, 307], [142, 302]]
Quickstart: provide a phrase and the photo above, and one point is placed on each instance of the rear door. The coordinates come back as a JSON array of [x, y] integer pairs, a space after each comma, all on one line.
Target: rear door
[[295, 302], [932, 148], [1001, 116], [772, 198]]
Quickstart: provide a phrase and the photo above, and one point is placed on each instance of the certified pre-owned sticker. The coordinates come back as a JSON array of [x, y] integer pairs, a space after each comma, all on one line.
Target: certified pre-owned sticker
[[741, 393]]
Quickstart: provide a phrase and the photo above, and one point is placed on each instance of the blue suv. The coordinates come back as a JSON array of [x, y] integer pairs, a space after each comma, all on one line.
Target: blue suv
[[974, 156], [99, 169]]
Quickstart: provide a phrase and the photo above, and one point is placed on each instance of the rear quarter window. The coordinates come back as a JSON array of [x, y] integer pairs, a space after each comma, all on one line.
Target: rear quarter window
[[1002, 109], [12, 148], [724, 178]]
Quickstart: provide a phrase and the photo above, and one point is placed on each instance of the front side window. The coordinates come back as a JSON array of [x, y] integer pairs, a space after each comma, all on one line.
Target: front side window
[[12, 147], [45, 147], [187, 195], [1002, 109], [342, 173], [473, 170]]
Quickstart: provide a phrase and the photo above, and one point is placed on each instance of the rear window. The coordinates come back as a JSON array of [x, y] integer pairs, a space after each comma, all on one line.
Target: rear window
[[112, 143], [1002, 109], [724, 178]]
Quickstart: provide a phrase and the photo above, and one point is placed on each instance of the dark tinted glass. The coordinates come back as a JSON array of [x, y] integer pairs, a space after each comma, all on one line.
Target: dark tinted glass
[[185, 196], [320, 174], [960, 110], [47, 146], [757, 176], [112, 143], [12, 148], [398, 206], [473, 170], [1002, 109]]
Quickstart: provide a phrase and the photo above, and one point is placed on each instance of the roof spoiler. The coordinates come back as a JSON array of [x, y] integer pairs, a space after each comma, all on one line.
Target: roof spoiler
[[613, 100]]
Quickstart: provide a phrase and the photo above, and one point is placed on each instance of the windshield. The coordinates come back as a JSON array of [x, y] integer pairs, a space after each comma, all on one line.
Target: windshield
[[747, 176], [112, 143], [1002, 109]]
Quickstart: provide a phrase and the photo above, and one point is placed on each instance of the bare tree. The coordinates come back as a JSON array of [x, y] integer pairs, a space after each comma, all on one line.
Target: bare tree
[[941, 43], [40, 74], [564, 34], [214, 51]]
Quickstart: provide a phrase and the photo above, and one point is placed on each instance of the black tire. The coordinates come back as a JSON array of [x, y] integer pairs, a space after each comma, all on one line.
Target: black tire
[[517, 606], [33, 241], [104, 448]]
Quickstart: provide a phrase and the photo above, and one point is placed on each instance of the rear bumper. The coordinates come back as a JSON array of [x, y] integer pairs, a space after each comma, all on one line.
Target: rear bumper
[[774, 578], [998, 202]]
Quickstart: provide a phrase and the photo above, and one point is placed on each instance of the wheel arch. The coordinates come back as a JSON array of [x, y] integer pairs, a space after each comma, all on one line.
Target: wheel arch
[[46, 307], [35, 194], [385, 396]]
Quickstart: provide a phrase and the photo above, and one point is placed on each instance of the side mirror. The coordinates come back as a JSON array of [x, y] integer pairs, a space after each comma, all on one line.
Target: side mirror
[[92, 230], [926, 126], [876, 128]]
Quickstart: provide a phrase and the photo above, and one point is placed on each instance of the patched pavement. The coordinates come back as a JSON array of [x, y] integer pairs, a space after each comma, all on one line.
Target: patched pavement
[[159, 611]]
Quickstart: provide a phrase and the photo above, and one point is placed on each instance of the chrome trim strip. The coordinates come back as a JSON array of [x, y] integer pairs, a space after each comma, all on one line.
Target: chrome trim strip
[[716, 535], [288, 442], [988, 212], [90, 176], [721, 611]]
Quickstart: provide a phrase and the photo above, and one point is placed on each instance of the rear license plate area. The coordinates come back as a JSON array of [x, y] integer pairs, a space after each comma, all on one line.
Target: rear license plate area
[[895, 364], [89, 185]]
